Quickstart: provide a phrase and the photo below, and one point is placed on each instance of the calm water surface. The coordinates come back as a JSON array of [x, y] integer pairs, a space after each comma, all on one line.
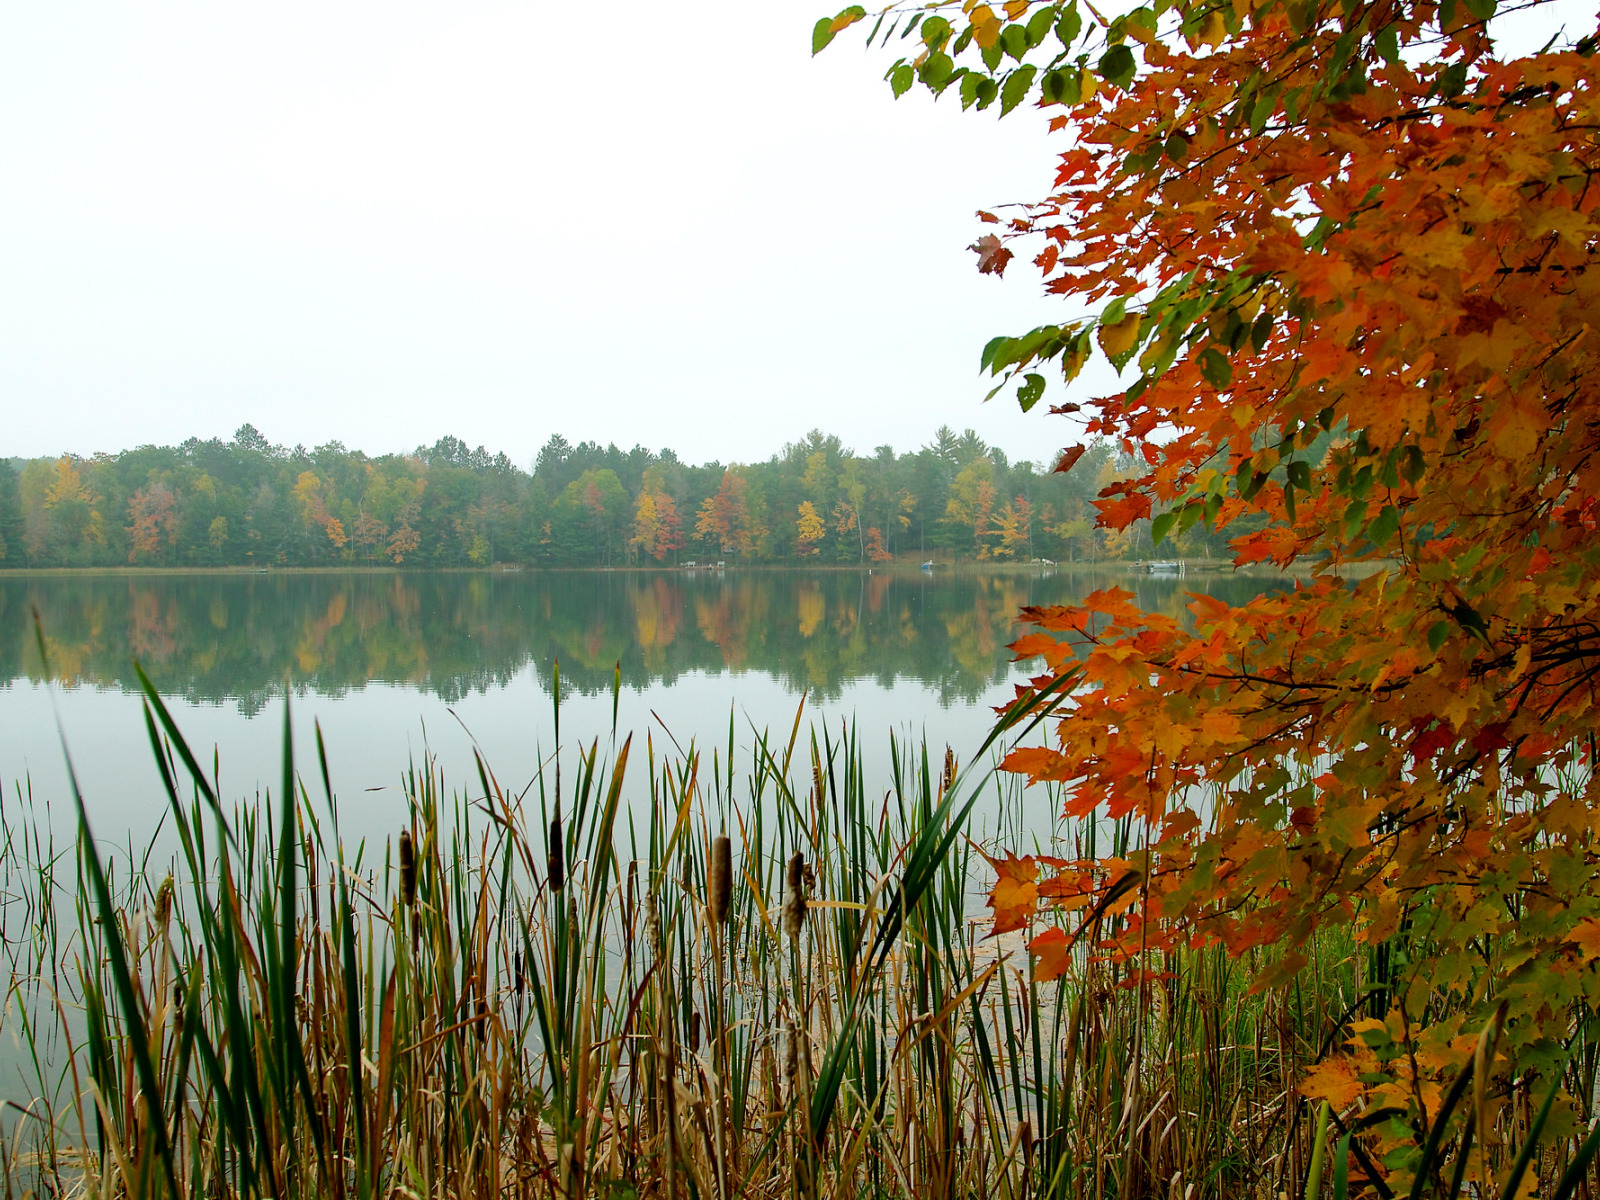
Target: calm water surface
[[399, 666]]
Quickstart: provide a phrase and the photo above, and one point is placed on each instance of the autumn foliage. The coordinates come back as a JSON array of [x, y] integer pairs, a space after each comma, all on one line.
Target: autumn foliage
[[1344, 257]]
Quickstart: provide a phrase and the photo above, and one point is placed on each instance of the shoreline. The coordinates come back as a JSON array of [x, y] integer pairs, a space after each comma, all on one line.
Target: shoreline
[[1200, 567]]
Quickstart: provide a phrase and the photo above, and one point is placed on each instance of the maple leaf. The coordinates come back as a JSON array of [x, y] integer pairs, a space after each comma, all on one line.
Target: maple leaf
[[1015, 894], [1333, 1080], [992, 254], [1052, 954], [1070, 456], [1586, 937]]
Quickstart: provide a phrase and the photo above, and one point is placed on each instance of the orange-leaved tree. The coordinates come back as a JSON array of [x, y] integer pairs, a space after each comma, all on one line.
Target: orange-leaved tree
[[1343, 257]]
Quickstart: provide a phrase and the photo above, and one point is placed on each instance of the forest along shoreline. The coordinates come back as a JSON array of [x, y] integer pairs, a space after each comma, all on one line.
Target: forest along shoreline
[[246, 502]]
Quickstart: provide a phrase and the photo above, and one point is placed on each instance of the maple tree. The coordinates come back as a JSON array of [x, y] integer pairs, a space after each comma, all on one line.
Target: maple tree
[[152, 523], [808, 528], [730, 521], [1342, 256]]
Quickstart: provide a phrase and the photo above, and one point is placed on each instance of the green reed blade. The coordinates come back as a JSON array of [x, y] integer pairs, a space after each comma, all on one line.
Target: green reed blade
[[1573, 1176], [1341, 1168], [1531, 1144], [1430, 1149], [138, 1037]]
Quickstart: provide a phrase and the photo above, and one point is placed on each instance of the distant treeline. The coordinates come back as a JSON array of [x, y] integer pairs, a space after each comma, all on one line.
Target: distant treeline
[[248, 502]]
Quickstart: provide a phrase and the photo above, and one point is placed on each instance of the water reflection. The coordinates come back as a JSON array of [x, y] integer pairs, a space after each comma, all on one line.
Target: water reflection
[[235, 638]]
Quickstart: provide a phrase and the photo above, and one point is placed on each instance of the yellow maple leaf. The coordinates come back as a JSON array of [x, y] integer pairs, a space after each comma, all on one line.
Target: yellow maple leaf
[[1118, 339], [1585, 936], [1333, 1080]]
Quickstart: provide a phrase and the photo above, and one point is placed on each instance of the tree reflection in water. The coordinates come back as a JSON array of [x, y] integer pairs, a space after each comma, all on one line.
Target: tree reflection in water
[[216, 638]]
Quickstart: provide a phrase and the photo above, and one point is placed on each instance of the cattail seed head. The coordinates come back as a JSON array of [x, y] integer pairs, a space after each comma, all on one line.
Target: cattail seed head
[[408, 869], [949, 770], [164, 902], [694, 1032], [719, 879], [794, 903], [555, 860], [791, 1060]]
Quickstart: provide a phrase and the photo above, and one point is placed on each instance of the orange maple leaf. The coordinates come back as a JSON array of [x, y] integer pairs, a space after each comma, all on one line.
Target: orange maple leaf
[[1015, 895], [1052, 955]]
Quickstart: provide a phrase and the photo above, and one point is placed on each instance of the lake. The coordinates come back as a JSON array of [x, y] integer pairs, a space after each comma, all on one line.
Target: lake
[[395, 666]]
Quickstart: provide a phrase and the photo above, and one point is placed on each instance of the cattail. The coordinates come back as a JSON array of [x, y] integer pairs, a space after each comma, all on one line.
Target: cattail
[[164, 902], [719, 879], [794, 904], [949, 770], [1027, 1145], [516, 968], [408, 869], [791, 1057], [694, 1032], [555, 860]]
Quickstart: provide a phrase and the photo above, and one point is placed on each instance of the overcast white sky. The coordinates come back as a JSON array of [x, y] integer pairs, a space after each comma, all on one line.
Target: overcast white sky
[[382, 222]]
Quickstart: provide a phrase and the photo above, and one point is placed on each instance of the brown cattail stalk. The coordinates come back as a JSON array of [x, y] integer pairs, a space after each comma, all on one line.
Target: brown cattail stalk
[[555, 860], [794, 903], [408, 869], [719, 879]]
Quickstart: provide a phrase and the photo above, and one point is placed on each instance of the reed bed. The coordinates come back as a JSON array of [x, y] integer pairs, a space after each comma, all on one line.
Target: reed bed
[[748, 971]]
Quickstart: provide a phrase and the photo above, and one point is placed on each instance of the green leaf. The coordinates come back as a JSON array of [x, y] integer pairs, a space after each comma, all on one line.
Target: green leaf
[[1298, 473], [821, 35], [1039, 25], [969, 88], [1355, 515], [1412, 465], [1215, 367], [991, 55], [1260, 332], [1261, 112], [1387, 43], [1481, 10], [1117, 66], [1014, 41], [1244, 477], [901, 77], [936, 70], [1383, 527], [1061, 87], [1161, 525], [1070, 25], [1176, 147], [1016, 86], [992, 356], [934, 32], [988, 90], [1030, 391]]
